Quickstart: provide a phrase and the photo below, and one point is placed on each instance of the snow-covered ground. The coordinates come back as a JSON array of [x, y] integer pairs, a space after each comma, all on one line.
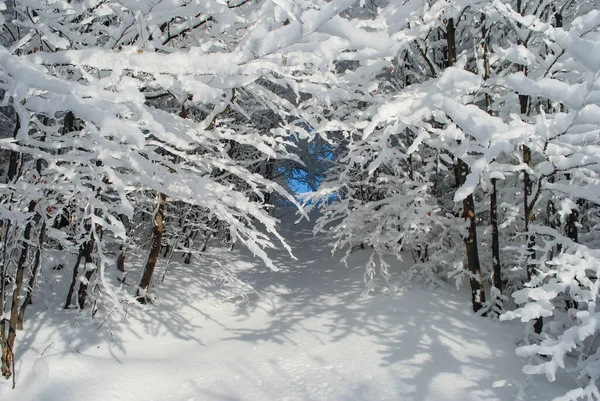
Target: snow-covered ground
[[304, 333]]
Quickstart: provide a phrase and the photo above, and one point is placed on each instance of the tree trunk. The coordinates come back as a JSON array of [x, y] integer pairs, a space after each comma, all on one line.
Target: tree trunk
[[157, 232], [451, 42], [8, 345], [123, 249], [187, 244], [32, 279], [461, 170], [83, 285], [496, 266], [572, 221], [75, 275], [4, 366], [528, 215], [121, 260], [527, 187], [553, 221], [13, 163], [476, 279]]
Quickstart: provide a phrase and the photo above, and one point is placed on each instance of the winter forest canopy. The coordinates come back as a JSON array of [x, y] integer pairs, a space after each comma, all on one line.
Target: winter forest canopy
[[459, 136]]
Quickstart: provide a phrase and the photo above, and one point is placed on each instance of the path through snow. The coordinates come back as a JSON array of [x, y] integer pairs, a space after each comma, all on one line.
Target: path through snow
[[304, 334]]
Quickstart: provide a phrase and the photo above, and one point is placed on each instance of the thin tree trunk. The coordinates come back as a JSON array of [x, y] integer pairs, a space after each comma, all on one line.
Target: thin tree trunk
[[157, 233], [529, 217], [474, 266], [451, 42], [121, 260], [189, 241], [123, 248], [496, 265], [572, 221], [83, 285], [32, 279], [573, 234], [553, 221], [75, 275], [205, 246], [16, 319], [473, 263], [38, 255], [4, 366], [188, 255], [527, 189], [527, 192], [211, 227], [528, 214], [13, 163], [8, 347]]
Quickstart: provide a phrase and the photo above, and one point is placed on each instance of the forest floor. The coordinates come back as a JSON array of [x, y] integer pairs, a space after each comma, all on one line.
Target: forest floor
[[303, 333]]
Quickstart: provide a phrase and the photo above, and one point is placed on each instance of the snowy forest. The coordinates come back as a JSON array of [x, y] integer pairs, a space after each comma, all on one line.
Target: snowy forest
[[427, 145]]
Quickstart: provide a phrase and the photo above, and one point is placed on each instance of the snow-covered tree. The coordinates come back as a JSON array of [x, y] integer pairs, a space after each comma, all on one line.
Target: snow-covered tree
[[120, 103]]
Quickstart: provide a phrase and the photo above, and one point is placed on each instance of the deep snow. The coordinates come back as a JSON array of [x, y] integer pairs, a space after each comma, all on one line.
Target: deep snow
[[303, 333]]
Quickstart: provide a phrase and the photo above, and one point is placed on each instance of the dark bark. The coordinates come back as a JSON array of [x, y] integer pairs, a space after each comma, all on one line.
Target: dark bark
[[8, 346], [529, 217], [4, 366], [83, 285], [69, 123], [474, 266], [75, 275], [15, 321], [32, 278], [209, 233], [527, 189], [553, 222], [460, 172], [572, 221], [205, 246], [13, 162], [121, 259], [157, 233], [123, 247], [188, 255], [451, 42], [573, 234], [496, 266], [422, 253], [6, 358]]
